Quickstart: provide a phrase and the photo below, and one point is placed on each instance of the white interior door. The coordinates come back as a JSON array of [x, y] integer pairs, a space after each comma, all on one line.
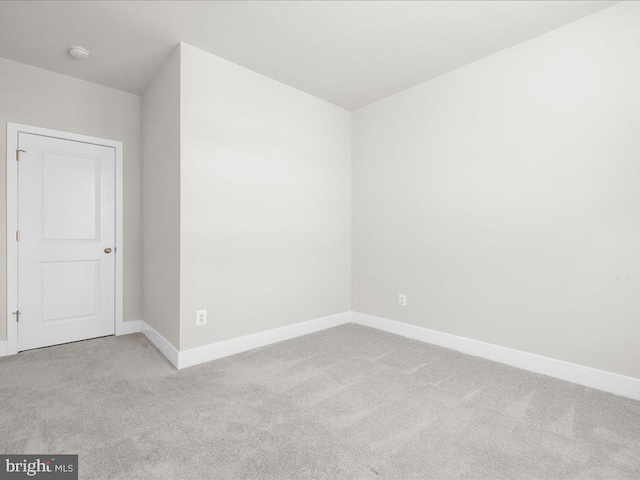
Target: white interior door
[[66, 253]]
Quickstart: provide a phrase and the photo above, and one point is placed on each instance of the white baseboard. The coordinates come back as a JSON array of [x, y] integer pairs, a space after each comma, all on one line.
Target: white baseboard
[[4, 348], [131, 326], [206, 353], [580, 374], [161, 343], [587, 376]]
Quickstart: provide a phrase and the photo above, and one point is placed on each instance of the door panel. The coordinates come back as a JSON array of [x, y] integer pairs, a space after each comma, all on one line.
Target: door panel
[[66, 219], [69, 289], [70, 195]]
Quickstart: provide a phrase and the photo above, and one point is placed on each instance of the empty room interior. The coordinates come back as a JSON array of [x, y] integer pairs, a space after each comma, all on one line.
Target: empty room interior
[[320, 240]]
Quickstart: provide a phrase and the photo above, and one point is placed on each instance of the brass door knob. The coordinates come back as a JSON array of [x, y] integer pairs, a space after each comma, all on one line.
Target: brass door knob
[[107, 250]]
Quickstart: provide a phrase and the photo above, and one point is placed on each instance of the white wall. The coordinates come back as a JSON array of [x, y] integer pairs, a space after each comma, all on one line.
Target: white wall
[[161, 201], [504, 197], [265, 202], [33, 96]]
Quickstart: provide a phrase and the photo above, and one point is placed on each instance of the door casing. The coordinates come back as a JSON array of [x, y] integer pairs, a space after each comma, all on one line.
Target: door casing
[[12, 222]]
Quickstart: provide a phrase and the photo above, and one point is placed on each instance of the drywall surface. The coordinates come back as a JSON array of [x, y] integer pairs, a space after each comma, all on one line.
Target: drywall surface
[[37, 97], [266, 202], [161, 201], [503, 198]]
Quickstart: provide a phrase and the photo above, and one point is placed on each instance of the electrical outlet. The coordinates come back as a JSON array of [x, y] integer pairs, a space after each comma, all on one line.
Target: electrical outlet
[[402, 300], [201, 317]]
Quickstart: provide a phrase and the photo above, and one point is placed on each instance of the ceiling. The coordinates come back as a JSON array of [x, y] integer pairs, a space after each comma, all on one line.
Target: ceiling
[[348, 53]]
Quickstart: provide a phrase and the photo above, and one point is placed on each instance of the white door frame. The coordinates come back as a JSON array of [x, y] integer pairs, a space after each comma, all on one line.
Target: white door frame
[[13, 129]]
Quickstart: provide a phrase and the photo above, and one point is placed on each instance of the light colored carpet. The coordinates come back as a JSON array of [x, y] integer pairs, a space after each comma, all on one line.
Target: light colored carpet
[[345, 403]]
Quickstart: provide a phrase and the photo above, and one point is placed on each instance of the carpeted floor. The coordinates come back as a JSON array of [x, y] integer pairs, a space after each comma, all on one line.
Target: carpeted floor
[[345, 403]]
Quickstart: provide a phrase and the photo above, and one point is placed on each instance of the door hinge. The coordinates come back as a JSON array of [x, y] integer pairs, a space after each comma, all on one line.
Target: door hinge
[[17, 236], [17, 314], [18, 154]]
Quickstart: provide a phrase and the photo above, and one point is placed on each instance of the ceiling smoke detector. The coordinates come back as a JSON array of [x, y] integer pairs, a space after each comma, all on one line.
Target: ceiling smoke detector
[[79, 52]]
